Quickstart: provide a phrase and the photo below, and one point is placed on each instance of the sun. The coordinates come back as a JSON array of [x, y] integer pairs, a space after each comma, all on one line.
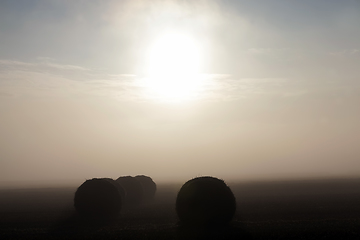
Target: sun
[[173, 72]]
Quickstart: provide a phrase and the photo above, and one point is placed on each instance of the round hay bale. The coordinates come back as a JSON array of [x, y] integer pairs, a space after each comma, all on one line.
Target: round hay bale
[[149, 186], [133, 188], [118, 186], [205, 201], [98, 198]]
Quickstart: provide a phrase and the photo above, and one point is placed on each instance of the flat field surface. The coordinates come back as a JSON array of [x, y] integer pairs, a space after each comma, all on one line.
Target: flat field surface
[[318, 209]]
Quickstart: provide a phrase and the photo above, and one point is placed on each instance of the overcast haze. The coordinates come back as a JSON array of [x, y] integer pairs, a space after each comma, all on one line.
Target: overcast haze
[[279, 94]]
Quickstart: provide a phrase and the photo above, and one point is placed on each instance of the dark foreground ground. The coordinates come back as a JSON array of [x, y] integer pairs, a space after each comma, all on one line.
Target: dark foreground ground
[[266, 210]]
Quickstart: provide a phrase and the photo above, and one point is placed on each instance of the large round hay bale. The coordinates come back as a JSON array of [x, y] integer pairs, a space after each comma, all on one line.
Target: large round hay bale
[[119, 187], [98, 198], [133, 188], [149, 186], [205, 201]]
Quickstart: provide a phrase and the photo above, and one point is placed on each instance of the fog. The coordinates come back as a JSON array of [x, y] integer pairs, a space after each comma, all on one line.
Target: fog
[[280, 100], [65, 139]]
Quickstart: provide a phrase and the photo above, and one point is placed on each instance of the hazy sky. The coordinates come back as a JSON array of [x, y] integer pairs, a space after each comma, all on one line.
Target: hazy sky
[[277, 91]]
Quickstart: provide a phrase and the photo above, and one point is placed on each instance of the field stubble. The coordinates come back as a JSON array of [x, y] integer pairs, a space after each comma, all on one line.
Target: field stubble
[[318, 209]]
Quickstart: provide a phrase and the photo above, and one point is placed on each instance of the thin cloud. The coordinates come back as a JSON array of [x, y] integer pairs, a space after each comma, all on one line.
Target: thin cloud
[[14, 64], [5, 62], [66, 67], [346, 52], [44, 79], [40, 79]]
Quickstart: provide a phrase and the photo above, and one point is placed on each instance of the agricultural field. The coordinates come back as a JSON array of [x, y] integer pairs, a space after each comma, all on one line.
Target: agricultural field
[[311, 209]]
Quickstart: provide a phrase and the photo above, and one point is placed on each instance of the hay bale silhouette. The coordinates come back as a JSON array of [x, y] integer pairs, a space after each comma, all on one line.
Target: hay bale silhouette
[[98, 198], [134, 189], [149, 186], [205, 201], [119, 187]]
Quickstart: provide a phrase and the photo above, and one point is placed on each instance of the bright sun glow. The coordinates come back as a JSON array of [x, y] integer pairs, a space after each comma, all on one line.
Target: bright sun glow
[[173, 68]]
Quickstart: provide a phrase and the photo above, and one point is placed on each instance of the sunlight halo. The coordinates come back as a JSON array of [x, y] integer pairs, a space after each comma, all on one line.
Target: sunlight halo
[[173, 72]]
